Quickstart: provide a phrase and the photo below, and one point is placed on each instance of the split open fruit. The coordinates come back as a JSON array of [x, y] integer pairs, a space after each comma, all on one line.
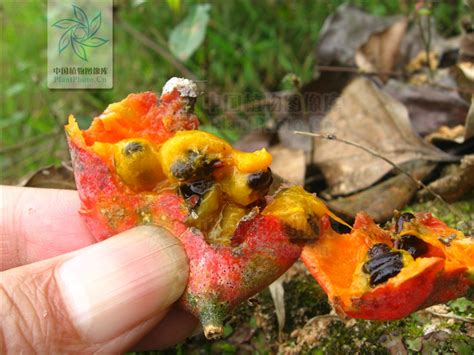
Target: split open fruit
[[143, 161], [378, 274]]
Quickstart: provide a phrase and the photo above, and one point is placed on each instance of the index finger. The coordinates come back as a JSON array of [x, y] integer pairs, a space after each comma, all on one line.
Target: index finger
[[37, 224]]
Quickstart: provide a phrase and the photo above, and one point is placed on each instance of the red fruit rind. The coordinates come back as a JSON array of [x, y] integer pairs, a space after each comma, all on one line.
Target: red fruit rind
[[440, 275]]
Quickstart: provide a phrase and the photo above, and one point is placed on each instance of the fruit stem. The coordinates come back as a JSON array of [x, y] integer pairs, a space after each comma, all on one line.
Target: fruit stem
[[212, 331]]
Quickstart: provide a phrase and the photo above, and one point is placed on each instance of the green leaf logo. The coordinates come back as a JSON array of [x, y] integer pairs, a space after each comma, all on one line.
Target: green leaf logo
[[79, 33]]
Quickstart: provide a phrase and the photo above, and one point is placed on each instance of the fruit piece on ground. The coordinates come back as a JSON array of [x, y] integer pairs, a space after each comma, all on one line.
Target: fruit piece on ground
[[376, 274]]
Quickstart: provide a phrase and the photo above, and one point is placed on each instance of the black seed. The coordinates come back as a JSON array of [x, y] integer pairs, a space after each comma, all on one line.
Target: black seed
[[261, 180], [383, 264], [378, 249], [380, 260], [382, 274], [133, 147], [199, 187], [194, 165], [404, 217], [415, 246], [182, 170], [207, 167], [339, 227]]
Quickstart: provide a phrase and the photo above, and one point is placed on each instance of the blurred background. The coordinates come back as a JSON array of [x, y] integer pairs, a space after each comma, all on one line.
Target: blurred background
[[243, 51]]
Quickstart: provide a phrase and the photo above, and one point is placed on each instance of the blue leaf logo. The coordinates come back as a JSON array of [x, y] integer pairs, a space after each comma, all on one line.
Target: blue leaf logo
[[79, 33]]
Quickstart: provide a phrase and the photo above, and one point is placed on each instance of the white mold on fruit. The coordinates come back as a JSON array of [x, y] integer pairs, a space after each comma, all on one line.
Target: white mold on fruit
[[186, 87]]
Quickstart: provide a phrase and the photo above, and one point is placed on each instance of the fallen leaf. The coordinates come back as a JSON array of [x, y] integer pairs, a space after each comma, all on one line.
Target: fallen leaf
[[379, 53], [458, 134], [466, 50], [319, 95], [278, 295], [366, 115], [463, 73], [381, 200], [429, 107], [457, 180], [469, 126], [51, 177], [347, 30], [290, 164]]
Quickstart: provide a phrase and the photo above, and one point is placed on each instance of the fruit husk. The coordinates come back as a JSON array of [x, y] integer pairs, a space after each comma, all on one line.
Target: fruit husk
[[444, 273]]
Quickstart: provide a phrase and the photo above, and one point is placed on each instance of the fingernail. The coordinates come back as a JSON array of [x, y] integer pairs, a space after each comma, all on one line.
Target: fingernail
[[115, 285]]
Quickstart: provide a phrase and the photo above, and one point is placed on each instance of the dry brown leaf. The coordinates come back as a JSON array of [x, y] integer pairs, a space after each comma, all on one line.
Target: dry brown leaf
[[380, 200], [345, 31], [469, 126], [455, 182], [366, 115], [464, 75], [430, 107], [51, 177], [458, 134], [379, 53], [288, 163], [466, 50]]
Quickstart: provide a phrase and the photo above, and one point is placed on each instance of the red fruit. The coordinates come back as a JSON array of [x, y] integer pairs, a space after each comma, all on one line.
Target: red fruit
[[143, 162]]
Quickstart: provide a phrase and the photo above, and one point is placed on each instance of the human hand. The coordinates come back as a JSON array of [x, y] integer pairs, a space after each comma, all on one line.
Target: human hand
[[60, 292]]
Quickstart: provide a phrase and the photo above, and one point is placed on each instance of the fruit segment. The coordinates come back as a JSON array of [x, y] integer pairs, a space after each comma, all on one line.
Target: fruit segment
[[378, 274]]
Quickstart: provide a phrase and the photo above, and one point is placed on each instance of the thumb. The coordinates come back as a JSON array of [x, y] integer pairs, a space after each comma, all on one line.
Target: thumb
[[103, 298]]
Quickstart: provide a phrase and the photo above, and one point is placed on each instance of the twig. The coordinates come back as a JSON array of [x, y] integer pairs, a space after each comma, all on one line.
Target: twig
[[323, 316], [450, 316], [426, 39], [355, 70], [417, 182]]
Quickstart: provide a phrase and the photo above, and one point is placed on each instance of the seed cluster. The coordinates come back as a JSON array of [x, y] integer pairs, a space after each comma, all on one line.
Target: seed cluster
[[383, 264]]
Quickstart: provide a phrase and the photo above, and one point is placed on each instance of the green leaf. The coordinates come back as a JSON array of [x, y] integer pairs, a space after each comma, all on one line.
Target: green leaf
[[424, 11], [81, 15], [94, 42], [462, 306], [64, 41], [95, 24], [188, 35], [79, 50], [174, 5], [15, 89], [65, 24]]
